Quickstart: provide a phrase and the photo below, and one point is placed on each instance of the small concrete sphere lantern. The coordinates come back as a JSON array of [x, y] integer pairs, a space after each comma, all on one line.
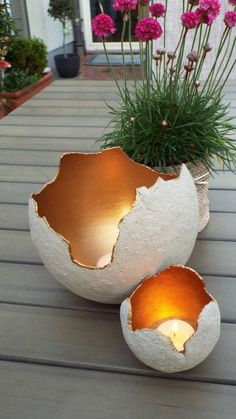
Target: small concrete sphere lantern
[[105, 223], [170, 322]]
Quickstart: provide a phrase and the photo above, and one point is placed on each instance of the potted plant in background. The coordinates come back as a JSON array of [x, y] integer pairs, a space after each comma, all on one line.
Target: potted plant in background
[[25, 78], [67, 64], [169, 117]]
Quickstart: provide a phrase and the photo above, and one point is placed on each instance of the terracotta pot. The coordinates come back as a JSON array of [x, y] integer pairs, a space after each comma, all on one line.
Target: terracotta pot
[[16, 99], [2, 113], [201, 177]]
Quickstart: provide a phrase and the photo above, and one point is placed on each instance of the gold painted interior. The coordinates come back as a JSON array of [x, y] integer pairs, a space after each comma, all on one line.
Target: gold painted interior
[[176, 293], [88, 199]]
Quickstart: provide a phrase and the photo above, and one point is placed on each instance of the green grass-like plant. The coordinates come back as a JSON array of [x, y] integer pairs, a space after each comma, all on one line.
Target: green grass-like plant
[[175, 111], [157, 130]]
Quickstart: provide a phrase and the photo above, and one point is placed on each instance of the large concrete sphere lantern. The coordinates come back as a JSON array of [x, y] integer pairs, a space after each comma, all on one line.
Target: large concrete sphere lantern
[[105, 223]]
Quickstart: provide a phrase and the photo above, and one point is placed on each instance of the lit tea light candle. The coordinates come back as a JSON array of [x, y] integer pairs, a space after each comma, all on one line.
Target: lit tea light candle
[[179, 331], [170, 322], [104, 260]]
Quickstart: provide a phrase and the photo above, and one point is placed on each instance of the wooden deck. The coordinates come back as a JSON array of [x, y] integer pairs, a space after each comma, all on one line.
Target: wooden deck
[[64, 357]]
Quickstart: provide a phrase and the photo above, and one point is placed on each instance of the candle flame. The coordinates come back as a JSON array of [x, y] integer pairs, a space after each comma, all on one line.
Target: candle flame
[[175, 328]]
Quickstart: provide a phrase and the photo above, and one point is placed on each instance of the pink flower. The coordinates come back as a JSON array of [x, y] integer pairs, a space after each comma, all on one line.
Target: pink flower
[[103, 25], [148, 29], [208, 11], [190, 20], [230, 19], [211, 6], [233, 2], [4, 64], [125, 5], [157, 10], [204, 17]]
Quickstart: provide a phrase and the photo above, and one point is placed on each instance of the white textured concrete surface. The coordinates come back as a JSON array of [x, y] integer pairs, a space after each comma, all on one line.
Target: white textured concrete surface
[[157, 350], [160, 230]]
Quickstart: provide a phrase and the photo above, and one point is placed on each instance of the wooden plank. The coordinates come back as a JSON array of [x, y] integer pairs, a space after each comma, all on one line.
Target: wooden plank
[[94, 340], [68, 103], [61, 117], [223, 180], [56, 121], [17, 193], [70, 111], [31, 157], [76, 82], [221, 200], [226, 180], [99, 95], [82, 88], [51, 132], [91, 86], [16, 246], [37, 391], [206, 258], [27, 173], [220, 227], [14, 217], [214, 258], [34, 285], [46, 143]]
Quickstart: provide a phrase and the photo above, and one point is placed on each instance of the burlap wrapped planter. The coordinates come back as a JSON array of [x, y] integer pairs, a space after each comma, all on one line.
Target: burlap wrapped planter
[[201, 178]]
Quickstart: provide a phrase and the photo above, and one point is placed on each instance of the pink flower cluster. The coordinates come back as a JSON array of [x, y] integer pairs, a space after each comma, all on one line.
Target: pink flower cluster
[[190, 20], [103, 25], [125, 5], [208, 11], [157, 10], [148, 29], [233, 2], [230, 19]]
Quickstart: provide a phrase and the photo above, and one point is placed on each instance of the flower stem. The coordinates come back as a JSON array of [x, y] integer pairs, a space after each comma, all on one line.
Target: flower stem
[[219, 90], [131, 51], [180, 57], [197, 71], [226, 78], [111, 69], [142, 61], [122, 50], [164, 38], [211, 73], [216, 81]]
